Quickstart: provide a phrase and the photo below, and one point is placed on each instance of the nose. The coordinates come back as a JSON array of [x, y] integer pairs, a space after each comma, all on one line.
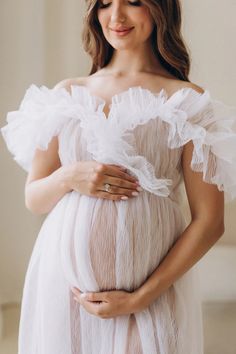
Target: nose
[[117, 13]]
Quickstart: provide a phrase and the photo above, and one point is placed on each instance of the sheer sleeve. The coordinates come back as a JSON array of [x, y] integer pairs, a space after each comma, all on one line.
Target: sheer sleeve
[[40, 116], [211, 125]]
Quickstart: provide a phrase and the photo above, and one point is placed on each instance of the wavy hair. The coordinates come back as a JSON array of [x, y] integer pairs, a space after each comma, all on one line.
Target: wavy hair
[[166, 39]]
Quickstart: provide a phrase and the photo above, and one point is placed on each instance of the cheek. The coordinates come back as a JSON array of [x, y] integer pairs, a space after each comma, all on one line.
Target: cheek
[[145, 20], [102, 18], [142, 15]]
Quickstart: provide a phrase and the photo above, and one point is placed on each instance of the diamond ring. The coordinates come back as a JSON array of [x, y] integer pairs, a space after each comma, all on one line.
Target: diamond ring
[[107, 187]]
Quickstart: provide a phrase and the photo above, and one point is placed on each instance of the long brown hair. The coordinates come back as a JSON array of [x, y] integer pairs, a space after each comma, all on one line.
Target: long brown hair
[[166, 38]]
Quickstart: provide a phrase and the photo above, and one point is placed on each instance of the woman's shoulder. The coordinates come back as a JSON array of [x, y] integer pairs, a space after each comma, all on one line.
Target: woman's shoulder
[[67, 83], [194, 86], [174, 85]]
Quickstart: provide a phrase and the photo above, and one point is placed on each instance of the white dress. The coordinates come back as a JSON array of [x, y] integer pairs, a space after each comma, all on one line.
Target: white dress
[[97, 244]]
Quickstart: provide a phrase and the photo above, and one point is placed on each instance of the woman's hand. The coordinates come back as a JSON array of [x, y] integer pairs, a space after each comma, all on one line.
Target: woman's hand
[[108, 304], [89, 178]]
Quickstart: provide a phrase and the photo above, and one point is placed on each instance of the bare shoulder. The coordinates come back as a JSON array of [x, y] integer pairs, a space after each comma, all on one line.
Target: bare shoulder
[[193, 86], [187, 84], [172, 85], [67, 83]]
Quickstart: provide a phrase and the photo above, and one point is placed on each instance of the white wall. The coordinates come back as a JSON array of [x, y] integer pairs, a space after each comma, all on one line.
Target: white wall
[[63, 48], [210, 28]]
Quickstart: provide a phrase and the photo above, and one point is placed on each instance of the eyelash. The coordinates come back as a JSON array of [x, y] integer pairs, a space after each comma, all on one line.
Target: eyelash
[[136, 3]]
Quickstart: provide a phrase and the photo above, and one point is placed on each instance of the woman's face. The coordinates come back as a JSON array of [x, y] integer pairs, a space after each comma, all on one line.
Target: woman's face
[[125, 24]]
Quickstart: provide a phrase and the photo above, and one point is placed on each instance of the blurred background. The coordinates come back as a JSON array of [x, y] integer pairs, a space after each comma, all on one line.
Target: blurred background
[[41, 44]]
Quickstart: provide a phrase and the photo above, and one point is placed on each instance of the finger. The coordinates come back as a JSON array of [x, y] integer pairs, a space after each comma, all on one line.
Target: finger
[[101, 296], [89, 306], [96, 309], [116, 172], [120, 167], [96, 296], [117, 193], [76, 291], [121, 174], [79, 295], [106, 195], [114, 181]]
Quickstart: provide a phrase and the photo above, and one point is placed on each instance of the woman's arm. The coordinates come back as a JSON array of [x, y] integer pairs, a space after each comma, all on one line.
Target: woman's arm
[[207, 226], [48, 181]]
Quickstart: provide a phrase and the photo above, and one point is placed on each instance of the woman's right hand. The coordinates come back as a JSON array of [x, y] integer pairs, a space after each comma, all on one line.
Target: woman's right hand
[[89, 178]]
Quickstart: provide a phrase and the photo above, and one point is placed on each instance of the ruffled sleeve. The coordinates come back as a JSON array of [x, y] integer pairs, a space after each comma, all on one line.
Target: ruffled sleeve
[[211, 125], [38, 119]]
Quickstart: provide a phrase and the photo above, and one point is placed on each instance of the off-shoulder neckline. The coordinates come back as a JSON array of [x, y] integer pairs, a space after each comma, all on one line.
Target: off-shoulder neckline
[[130, 91]]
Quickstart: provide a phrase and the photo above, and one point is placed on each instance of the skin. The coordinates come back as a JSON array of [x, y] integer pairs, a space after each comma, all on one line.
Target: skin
[[48, 181]]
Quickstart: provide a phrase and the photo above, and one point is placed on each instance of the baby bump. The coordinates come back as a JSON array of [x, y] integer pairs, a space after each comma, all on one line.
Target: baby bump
[[117, 245], [88, 243], [101, 245]]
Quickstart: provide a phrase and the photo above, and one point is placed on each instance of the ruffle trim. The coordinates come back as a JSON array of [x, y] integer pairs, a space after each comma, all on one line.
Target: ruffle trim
[[210, 124]]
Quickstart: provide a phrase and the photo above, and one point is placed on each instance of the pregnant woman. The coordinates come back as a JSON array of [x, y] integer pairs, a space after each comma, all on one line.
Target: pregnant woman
[[112, 270]]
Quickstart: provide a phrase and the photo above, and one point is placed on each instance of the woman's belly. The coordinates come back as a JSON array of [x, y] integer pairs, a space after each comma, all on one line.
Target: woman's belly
[[108, 245]]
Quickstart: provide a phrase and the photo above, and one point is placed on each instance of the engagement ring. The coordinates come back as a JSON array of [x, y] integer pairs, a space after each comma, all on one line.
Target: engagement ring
[[107, 187]]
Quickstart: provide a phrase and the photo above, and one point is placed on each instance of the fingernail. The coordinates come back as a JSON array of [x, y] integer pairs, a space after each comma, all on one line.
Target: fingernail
[[83, 295], [124, 198], [140, 189], [135, 194]]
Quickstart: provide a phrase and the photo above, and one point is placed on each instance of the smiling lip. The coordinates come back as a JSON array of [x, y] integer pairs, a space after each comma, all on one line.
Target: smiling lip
[[122, 31]]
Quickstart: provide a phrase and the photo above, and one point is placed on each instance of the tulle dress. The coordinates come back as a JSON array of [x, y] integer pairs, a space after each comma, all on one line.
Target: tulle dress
[[96, 244]]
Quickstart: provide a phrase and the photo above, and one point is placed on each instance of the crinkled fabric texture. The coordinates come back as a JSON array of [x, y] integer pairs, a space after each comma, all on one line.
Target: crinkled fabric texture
[[96, 244]]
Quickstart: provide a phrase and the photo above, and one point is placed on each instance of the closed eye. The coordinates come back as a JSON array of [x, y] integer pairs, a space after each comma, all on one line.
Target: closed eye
[[132, 3]]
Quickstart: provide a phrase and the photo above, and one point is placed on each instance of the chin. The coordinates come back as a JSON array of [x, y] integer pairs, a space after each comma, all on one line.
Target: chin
[[122, 44], [121, 47]]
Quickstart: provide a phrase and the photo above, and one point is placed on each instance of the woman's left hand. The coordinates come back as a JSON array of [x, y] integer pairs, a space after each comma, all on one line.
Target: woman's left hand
[[107, 304]]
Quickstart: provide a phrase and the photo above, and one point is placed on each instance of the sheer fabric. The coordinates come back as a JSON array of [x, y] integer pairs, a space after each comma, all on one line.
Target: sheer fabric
[[97, 244]]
